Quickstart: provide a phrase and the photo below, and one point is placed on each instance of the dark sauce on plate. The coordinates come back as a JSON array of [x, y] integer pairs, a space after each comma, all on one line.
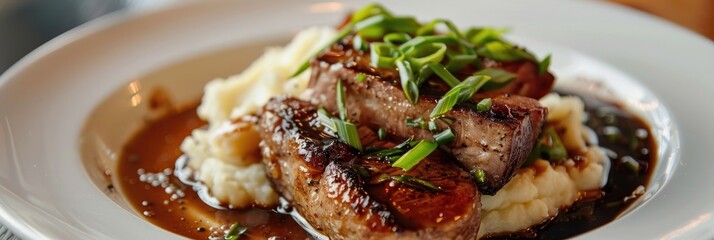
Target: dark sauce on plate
[[152, 151], [147, 161], [623, 135]]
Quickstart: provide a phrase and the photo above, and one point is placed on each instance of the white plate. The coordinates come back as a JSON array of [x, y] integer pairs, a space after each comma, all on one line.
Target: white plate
[[46, 98]]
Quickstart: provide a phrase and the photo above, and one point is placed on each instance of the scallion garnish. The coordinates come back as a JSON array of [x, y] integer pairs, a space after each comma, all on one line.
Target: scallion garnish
[[383, 55], [382, 134], [359, 44], [444, 74], [362, 171], [235, 232], [412, 157], [631, 164], [444, 137], [340, 91], [499, 78], [347, 132], [409, 85], [552, 147], [396, 38], [480, 175], [416, 123], [459, 93], [326, 119], [484, 105], [543, 65], [502, 51], [360, 77], [415, 182]]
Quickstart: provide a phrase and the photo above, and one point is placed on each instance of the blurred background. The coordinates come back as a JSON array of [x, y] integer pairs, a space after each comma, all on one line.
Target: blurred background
[[27, 24]]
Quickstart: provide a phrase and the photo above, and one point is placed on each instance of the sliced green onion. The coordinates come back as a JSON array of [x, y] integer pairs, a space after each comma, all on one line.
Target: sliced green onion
[[484, 105], [326, 119], [543, 65], [444, 74], [552, 147], [396, 38], [383, 55], [425, 54], [415, 155], [481, 36], [235, 232], [360, 77], [411, 90], [420, 41], [347, 132], [380, 178], [368, 11], [407, 143], [416, 123], [459, 93], [407, 25], [631, 164], [416, 182], [459, 61], [499, 78], [342, 34], [424, 73], [381, 134], [431, 125], [501, 51], [429, 29], [358, 43], [480, 176], [341, 109], [362, 171], [444, 137]]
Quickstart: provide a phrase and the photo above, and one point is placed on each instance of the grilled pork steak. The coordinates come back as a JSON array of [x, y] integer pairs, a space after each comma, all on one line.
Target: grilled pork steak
[[347, 194], [497, 141]]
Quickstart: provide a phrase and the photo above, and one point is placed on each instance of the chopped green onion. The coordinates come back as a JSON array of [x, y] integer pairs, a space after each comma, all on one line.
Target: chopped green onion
[[347, 132], [368, 11], [326, 119], [360, 77], [382, 55], [424, 73], [499, 78], [431, 125], [342, 34], [415, 155], [444, 74], [631, 164], [552, 148], [429, 29], [358, 43], [459, 61], [444, 137], [407, 143], [341, 109], [234, 232], [411, 90], [459, 93], [416, 123], [484, 105], [362, 171], [420, 41], [481, 36], [543, 65], [416, 182], [501, 51], [480, 175], [396, 38], [425, 54], [381, 134], [380, 178]]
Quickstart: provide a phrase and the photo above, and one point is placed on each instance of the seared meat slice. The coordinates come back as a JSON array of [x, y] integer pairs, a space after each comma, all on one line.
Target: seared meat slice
[[496, 142], [346, 194]]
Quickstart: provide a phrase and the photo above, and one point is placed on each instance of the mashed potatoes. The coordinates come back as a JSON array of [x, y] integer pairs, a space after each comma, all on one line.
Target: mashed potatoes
[[225, 156]]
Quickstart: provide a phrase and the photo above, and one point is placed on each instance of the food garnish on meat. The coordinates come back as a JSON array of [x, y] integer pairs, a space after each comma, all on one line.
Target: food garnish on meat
[[405, 77]]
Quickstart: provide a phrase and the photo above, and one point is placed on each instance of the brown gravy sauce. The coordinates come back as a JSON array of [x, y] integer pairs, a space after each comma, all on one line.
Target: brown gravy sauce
[[147, 163]]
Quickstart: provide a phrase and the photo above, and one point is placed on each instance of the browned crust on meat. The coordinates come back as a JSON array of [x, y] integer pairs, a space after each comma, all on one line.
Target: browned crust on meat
[[317, 175]]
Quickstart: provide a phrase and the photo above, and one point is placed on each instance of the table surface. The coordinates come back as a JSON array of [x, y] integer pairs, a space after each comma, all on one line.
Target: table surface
[[25, 25]]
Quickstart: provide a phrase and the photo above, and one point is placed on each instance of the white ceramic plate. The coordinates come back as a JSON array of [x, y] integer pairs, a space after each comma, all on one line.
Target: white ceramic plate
[[47, 100]]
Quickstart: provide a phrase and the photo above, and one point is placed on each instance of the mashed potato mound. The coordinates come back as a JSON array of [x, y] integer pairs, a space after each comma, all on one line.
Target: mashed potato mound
[[225, 157], [537, 192]]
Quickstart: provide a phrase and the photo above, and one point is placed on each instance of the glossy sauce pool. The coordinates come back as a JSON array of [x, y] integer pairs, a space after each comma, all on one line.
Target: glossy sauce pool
[[147, 162]]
